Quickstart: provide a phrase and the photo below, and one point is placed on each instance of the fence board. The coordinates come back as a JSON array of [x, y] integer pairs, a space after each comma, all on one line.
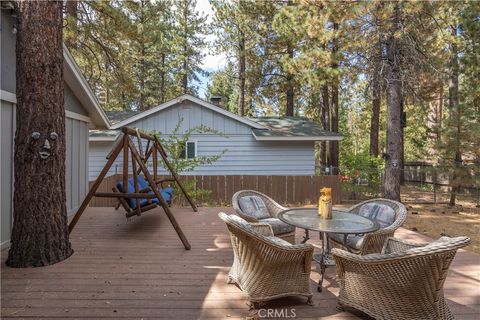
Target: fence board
[[293, 190]]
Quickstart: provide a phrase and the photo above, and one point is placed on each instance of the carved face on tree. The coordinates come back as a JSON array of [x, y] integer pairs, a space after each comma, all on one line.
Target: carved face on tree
[[48, 143]]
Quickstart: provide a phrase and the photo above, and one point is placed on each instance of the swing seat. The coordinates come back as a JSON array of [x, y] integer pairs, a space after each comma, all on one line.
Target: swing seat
[[143, 186]]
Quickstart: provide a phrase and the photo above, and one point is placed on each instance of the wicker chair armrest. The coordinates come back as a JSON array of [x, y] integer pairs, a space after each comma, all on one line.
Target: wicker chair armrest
[[418, 250], [262, 228], [395, 245], [246, 217]]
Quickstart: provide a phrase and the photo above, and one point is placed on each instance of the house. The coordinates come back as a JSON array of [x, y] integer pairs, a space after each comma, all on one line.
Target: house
[[250, 146], [82, 113]]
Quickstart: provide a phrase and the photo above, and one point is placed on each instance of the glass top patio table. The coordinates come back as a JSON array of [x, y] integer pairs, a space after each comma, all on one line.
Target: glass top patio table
[[341, 222]]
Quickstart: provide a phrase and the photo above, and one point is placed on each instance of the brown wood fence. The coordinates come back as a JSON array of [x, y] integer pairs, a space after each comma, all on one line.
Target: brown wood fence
[[293, 190]]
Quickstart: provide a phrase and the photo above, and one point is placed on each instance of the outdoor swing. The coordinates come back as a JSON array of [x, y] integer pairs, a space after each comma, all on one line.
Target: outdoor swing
[[139, 193]]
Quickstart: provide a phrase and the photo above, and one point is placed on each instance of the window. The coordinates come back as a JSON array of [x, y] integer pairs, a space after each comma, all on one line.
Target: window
[[189, 151]]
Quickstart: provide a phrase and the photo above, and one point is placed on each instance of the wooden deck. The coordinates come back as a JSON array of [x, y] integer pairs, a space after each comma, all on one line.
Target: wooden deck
[[139, 270]]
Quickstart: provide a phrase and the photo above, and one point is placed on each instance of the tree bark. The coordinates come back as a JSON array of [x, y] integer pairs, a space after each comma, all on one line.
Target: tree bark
[[434, 119], [376, 100], [334, 150], [290, 89], [162, 79], [324, 118], [455, 112], [394, 106], [241, 74], [40, 232]]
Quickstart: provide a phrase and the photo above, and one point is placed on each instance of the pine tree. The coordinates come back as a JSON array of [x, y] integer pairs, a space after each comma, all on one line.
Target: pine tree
[[188, 43], [40, 231]]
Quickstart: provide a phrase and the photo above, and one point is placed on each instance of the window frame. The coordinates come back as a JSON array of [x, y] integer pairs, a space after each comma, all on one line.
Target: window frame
[[195, 143]]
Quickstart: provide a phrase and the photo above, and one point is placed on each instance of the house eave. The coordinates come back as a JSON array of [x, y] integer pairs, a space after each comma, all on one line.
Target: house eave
[[77, 82], [297, 138]]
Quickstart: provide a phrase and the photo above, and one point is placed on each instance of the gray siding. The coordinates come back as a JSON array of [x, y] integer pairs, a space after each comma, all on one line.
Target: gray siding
[[76, 163], [7, 131], [243, 154], [72, 103], [193, 115], [7, 67]]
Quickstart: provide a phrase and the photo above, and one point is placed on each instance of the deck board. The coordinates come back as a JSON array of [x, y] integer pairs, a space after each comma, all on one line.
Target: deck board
[[138, 269]]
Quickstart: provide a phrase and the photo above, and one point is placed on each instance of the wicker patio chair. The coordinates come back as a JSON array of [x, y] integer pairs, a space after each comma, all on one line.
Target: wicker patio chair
[[266, 267], [280, 229], [372, 242], [403, 282]]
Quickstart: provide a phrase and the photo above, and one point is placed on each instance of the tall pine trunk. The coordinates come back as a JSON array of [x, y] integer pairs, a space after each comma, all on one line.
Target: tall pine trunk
[[394, 107], [324, 118], [334, 150], [162, 79], [40, 232], [455, 112], [241, 74], [290, 88], [376, 100]]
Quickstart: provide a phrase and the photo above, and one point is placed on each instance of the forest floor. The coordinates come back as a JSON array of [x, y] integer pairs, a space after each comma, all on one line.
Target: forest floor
[[437, 219]]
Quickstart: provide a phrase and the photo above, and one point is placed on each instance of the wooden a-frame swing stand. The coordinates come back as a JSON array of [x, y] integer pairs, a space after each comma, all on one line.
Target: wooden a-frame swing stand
[[139, 158]]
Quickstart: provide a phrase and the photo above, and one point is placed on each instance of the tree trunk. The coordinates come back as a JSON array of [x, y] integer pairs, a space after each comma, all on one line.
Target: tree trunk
[[142, 68], [162, 79], [376, 100], [455, 112], [434, 120], [334, 150], [241, 74], [290, 89], [324, 117], [40, 232], [185, 75], [394, 106]]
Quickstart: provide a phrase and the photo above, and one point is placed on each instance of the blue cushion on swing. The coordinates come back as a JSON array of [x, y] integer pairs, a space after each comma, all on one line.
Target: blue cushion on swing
[[166, 193]]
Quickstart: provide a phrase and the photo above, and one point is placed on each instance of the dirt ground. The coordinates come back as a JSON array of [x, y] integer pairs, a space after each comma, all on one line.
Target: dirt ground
[[435, 220]]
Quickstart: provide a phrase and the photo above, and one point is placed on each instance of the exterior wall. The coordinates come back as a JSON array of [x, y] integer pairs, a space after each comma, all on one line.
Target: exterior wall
[[7, 74], [76, 163], [243, 154], [72, 103], [7, 132]]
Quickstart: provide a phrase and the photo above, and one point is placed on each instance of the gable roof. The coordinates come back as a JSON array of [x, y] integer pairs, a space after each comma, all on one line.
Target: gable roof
[[188, 97], [118, 116], [76, 81], [292, 129]]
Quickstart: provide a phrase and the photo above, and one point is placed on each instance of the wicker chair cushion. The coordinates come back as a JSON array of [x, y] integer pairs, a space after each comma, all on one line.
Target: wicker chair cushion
[[278, 226], [383, 214], [254, 207], [279, 241], [354, 241]]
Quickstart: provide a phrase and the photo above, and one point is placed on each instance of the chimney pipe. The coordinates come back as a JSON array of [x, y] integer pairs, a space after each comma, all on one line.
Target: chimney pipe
[[216, 100]]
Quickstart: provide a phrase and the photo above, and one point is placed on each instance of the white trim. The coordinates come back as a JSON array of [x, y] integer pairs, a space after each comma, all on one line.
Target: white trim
[[5, 245], [8, 96], [77, 116], [182, 98], [103, 138], [297, 138]]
